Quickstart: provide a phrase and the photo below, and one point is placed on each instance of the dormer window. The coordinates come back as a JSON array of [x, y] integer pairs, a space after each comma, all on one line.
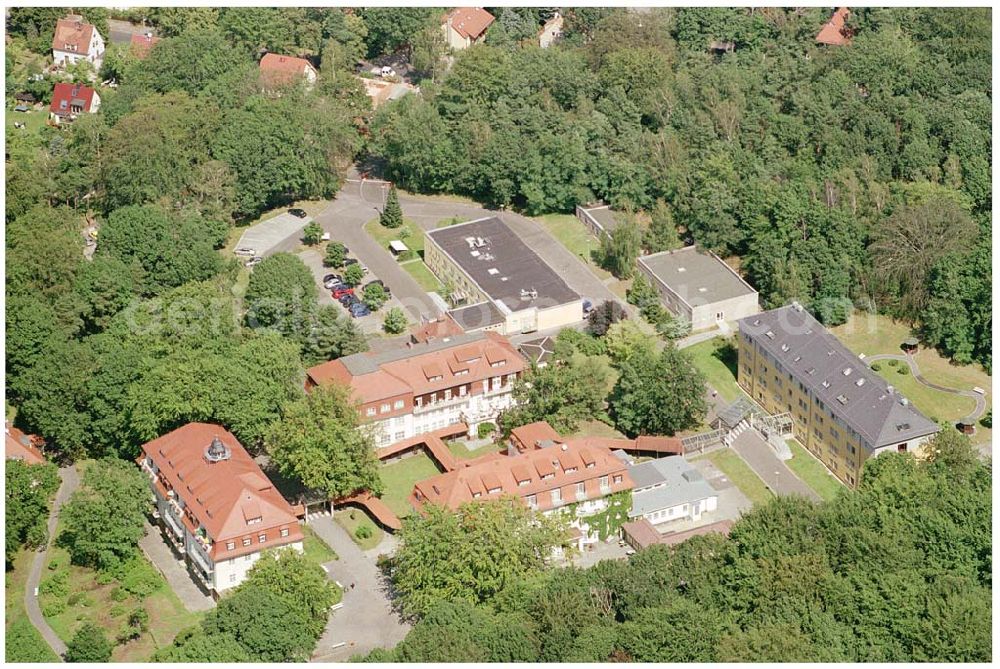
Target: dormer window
[[546, 477], [570, 470], [494, 490], [591, 465], [476, 495], [498, 363]]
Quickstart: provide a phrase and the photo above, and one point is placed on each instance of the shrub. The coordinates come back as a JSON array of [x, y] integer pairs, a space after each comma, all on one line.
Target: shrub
[[485, 430], [408, 254], [395, 321], [89, 644], [903, 370], [116, 610], [54, 608], [74, 599], [140, 578], [892, 362], [119, 594], [363, 531], [57, 584], [876, 367], [312, 234], [987, 420]]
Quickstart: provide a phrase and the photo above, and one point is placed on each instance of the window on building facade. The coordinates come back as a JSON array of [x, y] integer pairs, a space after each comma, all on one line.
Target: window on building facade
[[230, 545], [284, 531], [604, 481], [232, 578], [447, 394], [261, 538], [398, 404], [581, 489], [246, 541], [370, 411], [532, 500], [461, 391], [556, 496], [384, 408]]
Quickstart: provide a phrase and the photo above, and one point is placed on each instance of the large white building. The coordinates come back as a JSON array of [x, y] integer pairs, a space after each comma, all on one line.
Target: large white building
[[215, 505], [420, 388], [74, 40]]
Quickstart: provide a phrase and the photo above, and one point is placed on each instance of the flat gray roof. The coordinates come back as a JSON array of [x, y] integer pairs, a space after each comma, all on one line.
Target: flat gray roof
[[502, 265], [666, 482], [859, 397], [480, 315], [699, 277]]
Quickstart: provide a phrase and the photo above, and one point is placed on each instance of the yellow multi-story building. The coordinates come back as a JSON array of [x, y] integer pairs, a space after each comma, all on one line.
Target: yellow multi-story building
[[841, 411]]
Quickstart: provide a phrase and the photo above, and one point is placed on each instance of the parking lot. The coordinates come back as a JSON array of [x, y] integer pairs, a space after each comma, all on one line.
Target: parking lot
[[369, 324]]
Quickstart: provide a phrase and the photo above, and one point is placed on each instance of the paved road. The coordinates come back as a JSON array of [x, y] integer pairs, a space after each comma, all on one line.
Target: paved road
[[915, 370], [154, 545], [779, 478], [360, 201], [366, 620], [70, 482]]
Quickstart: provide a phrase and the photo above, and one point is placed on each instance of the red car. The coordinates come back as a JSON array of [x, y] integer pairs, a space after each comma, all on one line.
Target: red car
[[341, 290]]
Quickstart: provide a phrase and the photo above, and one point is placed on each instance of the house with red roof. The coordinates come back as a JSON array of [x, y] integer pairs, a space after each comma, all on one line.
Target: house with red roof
[[21, 446], [277, 71], [215, 505], [71, 100], [465, 379], [465, 26], [141, 44], [75, 40], [835, 31]]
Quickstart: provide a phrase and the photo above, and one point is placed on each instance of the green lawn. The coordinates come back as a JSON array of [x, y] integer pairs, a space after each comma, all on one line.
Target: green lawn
[[23, 643], [459, 450], [315, 548], [414, 240], [595, 428], [813, 472], [744, 478], [351, 519], [872, 335], [716, 358], [423, 276], [398, 479], [33, 121], [575, 236]]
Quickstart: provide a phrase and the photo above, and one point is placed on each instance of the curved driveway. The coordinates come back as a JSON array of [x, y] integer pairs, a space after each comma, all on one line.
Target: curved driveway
[[70, 481], [915, 370]]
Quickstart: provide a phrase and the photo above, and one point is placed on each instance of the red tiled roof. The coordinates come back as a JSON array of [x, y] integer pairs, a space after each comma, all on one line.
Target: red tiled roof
[[21, 446], [141, 44], [440, 329], [432, 442], [276, 69], [528, 437], [226, 497], [834, 31], [70, 93], [72, 35], [506, 475], [470, 22], [411, 374]]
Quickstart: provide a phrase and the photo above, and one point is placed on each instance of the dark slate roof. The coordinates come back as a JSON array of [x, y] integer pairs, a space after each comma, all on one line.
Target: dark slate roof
[[502, 265], [699, 277], [857, 396], [475, 316], [362, 363]]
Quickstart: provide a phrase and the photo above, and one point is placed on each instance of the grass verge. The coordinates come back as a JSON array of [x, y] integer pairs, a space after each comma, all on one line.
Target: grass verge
[[23, 643], [575, 236], [717, 360], [423, 276], [315, 548], [353, 519], [812, 472]]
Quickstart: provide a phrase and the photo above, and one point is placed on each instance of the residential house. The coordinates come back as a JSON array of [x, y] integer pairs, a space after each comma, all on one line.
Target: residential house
[[141, 44], [551, 31], [21, 446], [75, 40], [465, 26], [215, 505], [835, 31], [669, 489], [841, 411], [574, 477], [465, 379], [277, 71], [500, 283], [71, 100], [697, 286]]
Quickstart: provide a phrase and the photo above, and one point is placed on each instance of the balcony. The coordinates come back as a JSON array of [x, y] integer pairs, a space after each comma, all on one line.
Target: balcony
[[203, 561], [440, 404], [500, 390]]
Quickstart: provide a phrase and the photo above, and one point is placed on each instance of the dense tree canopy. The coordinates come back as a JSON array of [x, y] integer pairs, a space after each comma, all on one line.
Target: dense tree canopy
[[658, 393], [28, 491]]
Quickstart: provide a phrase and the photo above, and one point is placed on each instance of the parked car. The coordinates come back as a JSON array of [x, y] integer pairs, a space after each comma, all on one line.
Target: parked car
[[588, 306], [350, 261], [359, 309], [245, 251], [331, 280], [347, 300], [300, 213], [253, 262], [340, 290]]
